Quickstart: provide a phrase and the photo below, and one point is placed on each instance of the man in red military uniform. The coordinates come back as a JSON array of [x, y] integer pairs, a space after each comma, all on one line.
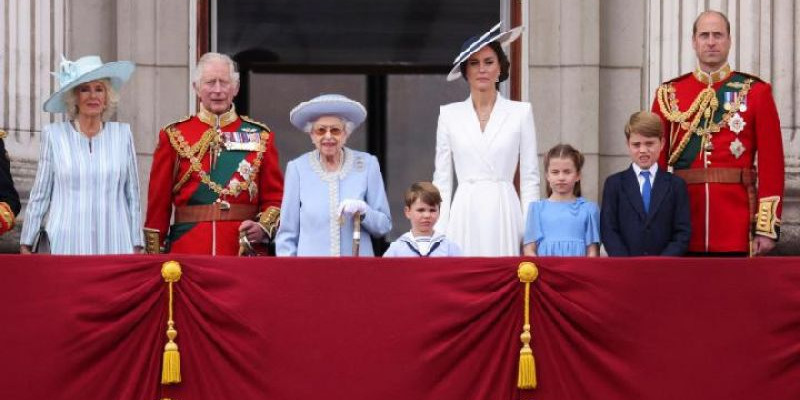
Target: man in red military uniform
[[9, 199], [724, 139], [216, 170]]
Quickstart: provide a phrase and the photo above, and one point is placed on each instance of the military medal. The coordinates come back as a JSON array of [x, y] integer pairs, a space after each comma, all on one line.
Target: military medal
[[736, 123], [730, 99], [246, 139], [737, 148]]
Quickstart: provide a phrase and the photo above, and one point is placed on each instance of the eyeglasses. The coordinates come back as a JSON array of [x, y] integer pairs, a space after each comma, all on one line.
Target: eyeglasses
[[321, 130]]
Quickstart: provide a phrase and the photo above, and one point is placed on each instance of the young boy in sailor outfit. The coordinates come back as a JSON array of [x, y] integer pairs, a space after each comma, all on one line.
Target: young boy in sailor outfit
[[422, 210]]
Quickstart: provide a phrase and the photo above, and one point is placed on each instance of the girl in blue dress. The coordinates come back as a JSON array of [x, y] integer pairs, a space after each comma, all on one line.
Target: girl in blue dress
[[563, 224]]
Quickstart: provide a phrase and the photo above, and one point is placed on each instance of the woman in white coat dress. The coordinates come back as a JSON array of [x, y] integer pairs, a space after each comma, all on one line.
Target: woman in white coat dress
[[481, 140]]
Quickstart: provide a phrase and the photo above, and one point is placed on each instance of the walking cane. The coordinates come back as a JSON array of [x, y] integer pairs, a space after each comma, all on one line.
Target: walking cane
[[356, 233]]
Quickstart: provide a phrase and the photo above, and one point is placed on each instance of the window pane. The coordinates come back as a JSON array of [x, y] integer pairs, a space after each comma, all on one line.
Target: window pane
[[354, 32]]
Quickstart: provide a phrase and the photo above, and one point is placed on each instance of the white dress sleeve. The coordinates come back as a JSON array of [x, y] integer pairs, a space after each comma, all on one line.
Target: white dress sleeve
[[132, 194], [39, 200], [529, 162], [443, 172]]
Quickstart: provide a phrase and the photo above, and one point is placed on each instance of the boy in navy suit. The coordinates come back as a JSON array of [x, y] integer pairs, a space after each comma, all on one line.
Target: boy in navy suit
[[645, 210]]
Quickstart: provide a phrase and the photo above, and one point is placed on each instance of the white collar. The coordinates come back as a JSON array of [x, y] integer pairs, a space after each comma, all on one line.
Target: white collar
[[637, 169]]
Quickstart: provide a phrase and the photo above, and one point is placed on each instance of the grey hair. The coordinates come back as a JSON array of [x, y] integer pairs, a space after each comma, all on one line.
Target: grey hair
[[112, 99], [348, 126], [208, 57]]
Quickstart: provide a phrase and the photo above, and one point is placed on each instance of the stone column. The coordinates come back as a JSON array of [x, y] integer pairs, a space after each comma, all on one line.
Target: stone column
[[32, 39], [564, 67], [156, 36], [622, 60]]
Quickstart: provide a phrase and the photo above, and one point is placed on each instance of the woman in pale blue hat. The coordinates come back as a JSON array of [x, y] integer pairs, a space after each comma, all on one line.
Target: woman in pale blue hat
[[481, 141], [87, 180], [331, 191]]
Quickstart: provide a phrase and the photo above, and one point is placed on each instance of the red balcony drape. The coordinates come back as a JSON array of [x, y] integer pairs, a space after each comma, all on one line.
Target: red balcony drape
[[94, 327]]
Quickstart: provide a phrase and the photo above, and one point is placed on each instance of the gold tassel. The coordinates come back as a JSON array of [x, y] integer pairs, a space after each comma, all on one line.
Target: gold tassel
[[171, 369], [526, 378]]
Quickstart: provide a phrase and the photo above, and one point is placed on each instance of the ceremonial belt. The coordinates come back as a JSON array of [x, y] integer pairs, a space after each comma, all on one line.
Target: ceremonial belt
[[717, 175], [215, 212], [747, 177]]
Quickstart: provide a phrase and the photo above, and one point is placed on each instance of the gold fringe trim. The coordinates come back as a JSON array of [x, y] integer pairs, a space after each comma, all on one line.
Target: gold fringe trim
[[171, 371], [526, 378]]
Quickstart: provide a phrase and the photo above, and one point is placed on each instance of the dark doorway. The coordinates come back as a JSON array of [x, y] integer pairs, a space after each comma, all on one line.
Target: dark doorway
[[391, 56]]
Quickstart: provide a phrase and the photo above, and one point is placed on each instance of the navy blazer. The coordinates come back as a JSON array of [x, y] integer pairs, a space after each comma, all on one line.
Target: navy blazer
[[625, 228]]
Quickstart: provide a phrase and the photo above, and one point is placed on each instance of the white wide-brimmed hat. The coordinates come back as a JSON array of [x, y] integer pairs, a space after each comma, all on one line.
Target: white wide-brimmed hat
[[86, 69], [327, 104], [475, 43]]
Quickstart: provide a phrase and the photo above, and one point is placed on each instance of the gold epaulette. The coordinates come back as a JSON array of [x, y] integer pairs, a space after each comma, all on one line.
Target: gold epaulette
[[3, 134], [184, 119], [254, 122], [677, 78], [750, 76]]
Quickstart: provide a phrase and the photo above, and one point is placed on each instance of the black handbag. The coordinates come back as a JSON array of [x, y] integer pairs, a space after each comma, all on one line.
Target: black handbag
[[41, 245]]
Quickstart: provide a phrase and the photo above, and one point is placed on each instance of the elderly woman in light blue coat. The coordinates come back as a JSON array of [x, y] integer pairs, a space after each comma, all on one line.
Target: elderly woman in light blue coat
[[327, 188]]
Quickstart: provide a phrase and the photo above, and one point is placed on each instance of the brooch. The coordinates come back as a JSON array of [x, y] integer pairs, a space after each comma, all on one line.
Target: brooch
[[245, 169], [233, 187], [736, 123], [359, 163], [737, 148]]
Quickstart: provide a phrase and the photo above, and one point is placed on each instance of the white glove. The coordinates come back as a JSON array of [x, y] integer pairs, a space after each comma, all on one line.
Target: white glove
[[349, 207]]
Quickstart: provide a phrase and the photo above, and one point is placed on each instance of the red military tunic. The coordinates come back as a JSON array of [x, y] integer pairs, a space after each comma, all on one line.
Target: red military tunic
[[9, 199], [210, 204], [717, 157]]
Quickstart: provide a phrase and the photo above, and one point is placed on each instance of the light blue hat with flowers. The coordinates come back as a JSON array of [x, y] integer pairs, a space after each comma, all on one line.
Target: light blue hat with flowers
[[327, 104], [475, 43], [82, 70]]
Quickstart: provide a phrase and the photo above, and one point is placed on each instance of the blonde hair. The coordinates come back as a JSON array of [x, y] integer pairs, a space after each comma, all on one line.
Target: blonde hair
[[644, 123], [112, 99], [563, 150]]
